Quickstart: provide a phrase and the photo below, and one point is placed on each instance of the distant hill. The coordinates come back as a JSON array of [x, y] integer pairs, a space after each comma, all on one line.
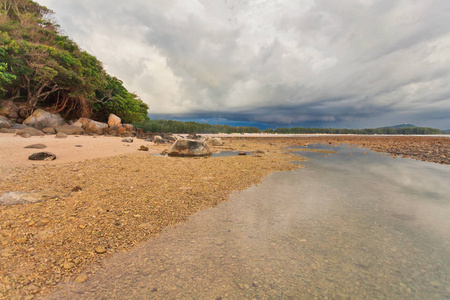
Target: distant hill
[[446, 131], [406, 125]]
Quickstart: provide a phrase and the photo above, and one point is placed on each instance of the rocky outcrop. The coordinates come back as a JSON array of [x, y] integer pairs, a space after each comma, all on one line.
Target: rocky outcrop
[[70, 129], [114, 120], [41, 119], [9, 110], [91, 126], [187, 147]]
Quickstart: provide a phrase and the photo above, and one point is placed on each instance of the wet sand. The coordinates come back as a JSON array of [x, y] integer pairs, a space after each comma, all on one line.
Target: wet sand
[[347, 226]]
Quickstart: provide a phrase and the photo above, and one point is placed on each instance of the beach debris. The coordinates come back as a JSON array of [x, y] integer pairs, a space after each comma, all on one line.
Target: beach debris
[[36, 146], [143, 148], [189, 148], [242, 153], [127, 140], [42, 156]]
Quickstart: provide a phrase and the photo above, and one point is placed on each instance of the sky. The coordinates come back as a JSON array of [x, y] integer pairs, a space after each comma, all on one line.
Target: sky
[[313, 63]]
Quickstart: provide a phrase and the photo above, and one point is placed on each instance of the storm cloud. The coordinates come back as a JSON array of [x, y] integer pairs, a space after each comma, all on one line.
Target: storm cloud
[[353, 63]]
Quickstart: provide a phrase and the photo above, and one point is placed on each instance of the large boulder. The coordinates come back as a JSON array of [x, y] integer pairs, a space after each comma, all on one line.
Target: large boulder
[[69, 129], [4, 122], [187, 147], [91, 126], [9, 109], [41, 119], [114, 120]]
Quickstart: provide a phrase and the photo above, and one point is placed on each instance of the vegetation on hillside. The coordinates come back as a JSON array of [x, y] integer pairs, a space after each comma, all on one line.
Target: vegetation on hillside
[[194, 127], [40, 67]]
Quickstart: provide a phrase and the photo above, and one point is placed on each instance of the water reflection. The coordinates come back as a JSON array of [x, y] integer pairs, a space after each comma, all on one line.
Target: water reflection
[[346, 226]]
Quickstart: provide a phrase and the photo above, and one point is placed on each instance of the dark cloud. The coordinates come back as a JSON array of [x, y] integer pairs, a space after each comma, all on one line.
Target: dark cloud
[[356, 63]]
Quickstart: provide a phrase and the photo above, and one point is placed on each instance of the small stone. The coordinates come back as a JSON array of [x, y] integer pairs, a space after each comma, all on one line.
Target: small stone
[[435, 284], [143, 148], [100, 250], [81, 278], [242, 153], [68, 265], [77, 189], [47, 156], [36, 146], [61, 135]]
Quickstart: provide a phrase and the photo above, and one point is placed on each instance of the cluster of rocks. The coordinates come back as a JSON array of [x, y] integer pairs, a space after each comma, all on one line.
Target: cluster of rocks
[[41, 122]]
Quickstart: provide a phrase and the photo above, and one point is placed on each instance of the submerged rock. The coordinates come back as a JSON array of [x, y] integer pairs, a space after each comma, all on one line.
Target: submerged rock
[[189, 148]]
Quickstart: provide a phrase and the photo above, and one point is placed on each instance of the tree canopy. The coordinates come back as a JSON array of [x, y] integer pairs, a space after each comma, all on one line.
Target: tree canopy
[[40, 67]]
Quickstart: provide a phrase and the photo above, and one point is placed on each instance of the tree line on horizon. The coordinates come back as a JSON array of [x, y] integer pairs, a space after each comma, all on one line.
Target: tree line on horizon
[[164, 126], [42, 68]]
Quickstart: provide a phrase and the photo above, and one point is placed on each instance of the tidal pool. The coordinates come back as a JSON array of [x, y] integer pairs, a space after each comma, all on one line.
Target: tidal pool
[[350, 225]]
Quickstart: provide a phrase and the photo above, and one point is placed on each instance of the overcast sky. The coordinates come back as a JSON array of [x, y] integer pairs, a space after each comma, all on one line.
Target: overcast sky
[[352, 63]]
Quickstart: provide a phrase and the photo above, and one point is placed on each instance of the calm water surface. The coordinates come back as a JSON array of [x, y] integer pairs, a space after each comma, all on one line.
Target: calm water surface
[[350, 225]]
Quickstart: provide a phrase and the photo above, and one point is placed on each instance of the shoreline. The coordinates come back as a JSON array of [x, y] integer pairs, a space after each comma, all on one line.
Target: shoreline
[[123, 200]]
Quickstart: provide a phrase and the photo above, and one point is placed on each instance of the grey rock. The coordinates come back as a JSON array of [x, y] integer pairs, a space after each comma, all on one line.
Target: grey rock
[[7, 130], [70, 129], [187, 147], [18, 126], [49, 130], [30, 130], [91, 126], [36, 146], [47, 156], [5, 122]]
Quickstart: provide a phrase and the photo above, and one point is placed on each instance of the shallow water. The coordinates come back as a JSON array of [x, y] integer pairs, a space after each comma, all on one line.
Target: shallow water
[[356, 226]]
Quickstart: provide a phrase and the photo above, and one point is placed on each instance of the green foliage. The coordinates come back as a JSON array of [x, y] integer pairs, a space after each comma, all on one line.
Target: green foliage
[[42, 68]]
